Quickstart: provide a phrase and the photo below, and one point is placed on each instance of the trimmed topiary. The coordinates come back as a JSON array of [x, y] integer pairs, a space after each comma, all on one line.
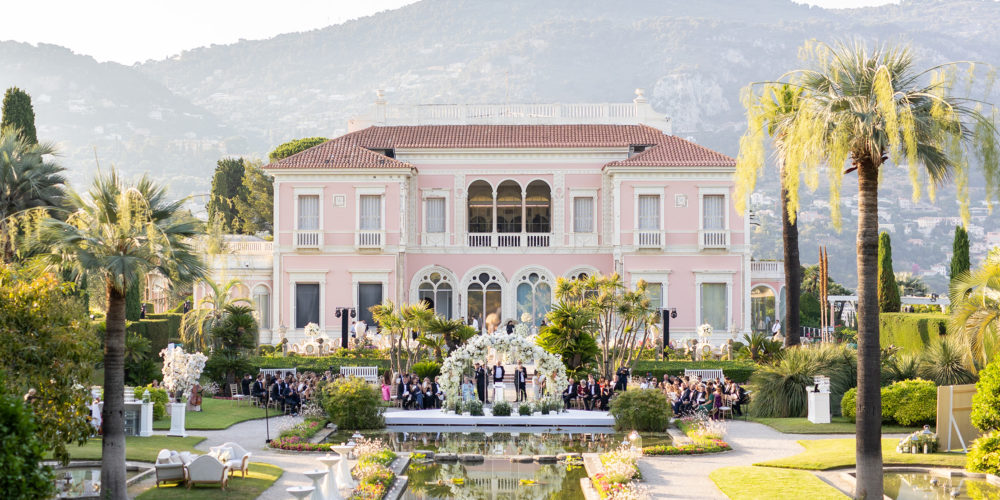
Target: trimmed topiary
[[641, 410], [986, 402], [427, 369], [910, 402], [849, 403], [524, 409], [501, 409], [985, 454], [475, 408]]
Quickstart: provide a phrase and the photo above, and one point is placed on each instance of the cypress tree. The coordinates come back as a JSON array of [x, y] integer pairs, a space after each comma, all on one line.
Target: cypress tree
[[960, 253], [133, 302], [18, 112], [888, 291], [227, 187]]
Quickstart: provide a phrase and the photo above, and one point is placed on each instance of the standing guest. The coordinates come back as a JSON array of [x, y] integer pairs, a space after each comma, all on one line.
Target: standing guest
[[498, 374], [467, 390], [95, 415], [542, 388], [717, 403], [481, 382], [535, 385], [623, 374], [606, 392], [521, 382], [510, 327], [386, 390], [475, 325], [245, 384]]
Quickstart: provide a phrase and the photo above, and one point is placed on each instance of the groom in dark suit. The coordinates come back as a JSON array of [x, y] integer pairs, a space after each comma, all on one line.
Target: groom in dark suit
[[481, 383], [521, 382], [498, 374]]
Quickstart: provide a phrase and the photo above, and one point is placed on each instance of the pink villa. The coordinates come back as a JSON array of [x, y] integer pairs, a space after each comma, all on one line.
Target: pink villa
[[479, 209]]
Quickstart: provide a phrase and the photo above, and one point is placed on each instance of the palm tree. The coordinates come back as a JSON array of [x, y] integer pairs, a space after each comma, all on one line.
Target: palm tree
[[117, 233], [777, 105], [867, 106], [568, 335], [975, 303], [27, 181], [454, 332], [401, 323], [198, 323]]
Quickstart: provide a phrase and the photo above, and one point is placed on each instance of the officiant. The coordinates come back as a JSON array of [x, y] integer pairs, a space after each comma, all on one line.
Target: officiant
[[481, 382], [498, 374]]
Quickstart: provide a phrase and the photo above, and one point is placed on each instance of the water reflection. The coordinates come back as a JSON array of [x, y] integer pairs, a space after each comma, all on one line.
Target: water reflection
[[495, 478], [924, 486]]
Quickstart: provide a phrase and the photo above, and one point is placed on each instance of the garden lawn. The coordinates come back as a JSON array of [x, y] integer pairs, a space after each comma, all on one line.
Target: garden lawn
[[763, 483], [823, 454], [140, 449], [215, 414], [260, 478], [837, 425]]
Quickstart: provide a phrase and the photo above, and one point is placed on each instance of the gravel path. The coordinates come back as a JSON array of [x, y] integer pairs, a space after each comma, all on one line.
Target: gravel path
[[687, 476]]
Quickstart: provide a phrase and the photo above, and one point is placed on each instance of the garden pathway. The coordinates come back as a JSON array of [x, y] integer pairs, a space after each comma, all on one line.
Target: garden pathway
[[687, 476]]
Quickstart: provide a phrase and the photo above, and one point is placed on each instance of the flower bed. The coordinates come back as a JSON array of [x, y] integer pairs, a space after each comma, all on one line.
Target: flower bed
[[621, 474], [374, 476], [700, 448], [297, 438]]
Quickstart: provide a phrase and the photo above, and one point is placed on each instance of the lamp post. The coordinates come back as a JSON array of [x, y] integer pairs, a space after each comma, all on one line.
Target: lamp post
[[667, 314], [343, 313]]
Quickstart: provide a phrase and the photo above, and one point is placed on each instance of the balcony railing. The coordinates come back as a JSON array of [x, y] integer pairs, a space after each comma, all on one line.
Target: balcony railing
[[510, 240], [709, 239], [369, 239], [767, 266], [649, 239], [308, 239]]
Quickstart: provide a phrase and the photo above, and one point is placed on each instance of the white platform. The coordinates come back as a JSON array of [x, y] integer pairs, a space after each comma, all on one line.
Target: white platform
[[572, 418]]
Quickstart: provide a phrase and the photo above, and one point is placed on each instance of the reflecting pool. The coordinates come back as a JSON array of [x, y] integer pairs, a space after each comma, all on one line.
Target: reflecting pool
[[926, 486], [496, 477]]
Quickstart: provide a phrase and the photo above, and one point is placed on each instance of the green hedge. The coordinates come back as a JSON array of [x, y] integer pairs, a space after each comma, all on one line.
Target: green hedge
[[318, 364], [911, 332], [907, 402], [157, 331], [738, 371], [174, 324]]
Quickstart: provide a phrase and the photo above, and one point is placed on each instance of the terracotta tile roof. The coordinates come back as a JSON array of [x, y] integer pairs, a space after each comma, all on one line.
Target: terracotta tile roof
[[354, 150]]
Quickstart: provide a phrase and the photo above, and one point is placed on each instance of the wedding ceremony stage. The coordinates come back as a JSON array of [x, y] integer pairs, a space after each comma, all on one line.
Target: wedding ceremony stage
[[570, 418]]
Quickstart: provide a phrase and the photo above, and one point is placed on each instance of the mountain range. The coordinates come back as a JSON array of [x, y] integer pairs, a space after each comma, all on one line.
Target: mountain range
[[174, 118]]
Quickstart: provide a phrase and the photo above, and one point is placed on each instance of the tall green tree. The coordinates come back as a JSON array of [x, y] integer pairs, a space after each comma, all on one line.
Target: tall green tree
[[20, 114], [227, 188], [295, 146], [117, 233], [569, 335], [29, 181], [199, 324], [860, 108], [237, 335], [24, 477], [778, 104], [960, 262], [47, 344], [255, 211], [888, 290]]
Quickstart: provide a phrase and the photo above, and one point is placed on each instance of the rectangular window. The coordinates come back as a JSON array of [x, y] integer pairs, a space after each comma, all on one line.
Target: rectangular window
[[714, 212], [369, 294], [262, 302], [655, 292], [309, 212], [371, 212], [435, 215], [583, 215], [649, 212], [715, 306], [306, 304]]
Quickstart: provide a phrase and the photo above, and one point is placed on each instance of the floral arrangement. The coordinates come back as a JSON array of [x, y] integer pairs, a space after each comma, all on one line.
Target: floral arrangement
[[699, 448], [296, 437], [522, 329], [700, 428], [368, 491], [312, 330], [704, 331], [181, 370], [923, 441], [372, 471], [211, 389], [517, 346]]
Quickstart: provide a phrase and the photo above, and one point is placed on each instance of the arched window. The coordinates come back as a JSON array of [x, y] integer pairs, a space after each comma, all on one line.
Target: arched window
[[538, 207], [509, 210], [485, 299], [436, 290], [762, 308], [262, 305], [480, 207], [534, 297]]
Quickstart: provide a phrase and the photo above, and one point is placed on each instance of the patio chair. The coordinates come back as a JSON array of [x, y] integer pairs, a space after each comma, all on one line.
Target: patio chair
[[207, 469], [234, 390], [239, 458], [169, 467]]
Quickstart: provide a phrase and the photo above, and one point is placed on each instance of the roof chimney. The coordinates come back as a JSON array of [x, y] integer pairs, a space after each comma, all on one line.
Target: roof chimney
[[380, 105]]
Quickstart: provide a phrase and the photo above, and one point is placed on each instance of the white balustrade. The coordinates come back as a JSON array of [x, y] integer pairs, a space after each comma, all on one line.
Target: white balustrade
[[480, 239], [538, 239], [369, 239], [505, 240], [713, 239], [649, 239], [308, 239]]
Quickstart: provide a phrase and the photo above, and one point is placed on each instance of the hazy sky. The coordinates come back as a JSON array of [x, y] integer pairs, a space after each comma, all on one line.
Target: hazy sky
[[128, 31]]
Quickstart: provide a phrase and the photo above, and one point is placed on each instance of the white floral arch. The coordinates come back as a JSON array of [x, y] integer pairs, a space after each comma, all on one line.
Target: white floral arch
[[477, 349]]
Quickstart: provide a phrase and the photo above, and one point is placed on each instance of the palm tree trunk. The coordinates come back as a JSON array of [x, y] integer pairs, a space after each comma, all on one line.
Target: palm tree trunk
[[113, 415], [790, 245], [869, 405]]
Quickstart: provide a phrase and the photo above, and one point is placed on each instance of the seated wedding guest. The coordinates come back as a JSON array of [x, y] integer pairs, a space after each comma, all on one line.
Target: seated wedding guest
[[607, 390], [257, 390], [292, 401], [386, 390], [581, 391], [245, 384], [417, 393], [569, 394], [430, 398], [438, 392], [717, 403], [407, 398], [703, 401], [468, 390], [683, 403], [593, 395]]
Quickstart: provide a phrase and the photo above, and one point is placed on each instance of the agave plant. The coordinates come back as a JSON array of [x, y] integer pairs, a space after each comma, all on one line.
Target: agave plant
[[946, 363], [781, 387], [901, 367]]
